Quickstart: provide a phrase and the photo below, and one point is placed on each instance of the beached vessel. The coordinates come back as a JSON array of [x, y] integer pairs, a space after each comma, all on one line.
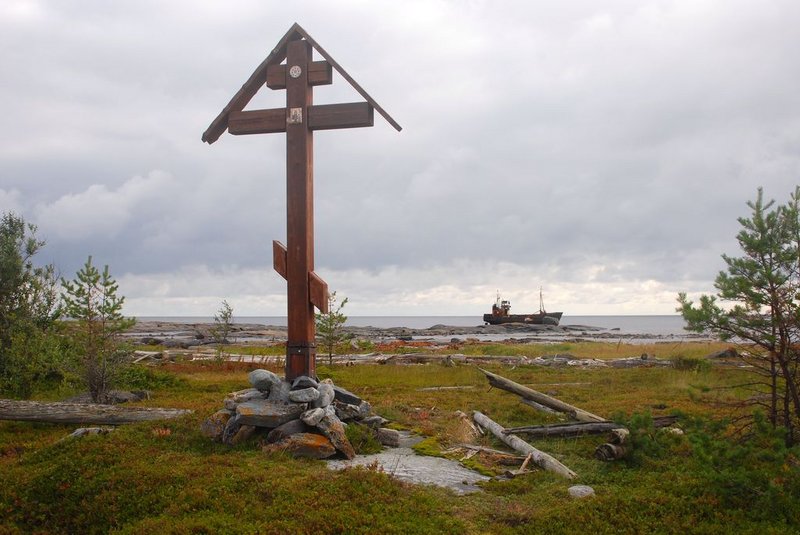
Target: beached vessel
[[501, 313]]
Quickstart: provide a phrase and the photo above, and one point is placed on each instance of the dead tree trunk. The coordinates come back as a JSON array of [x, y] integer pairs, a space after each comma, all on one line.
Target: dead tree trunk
[[541, 458], [82, 413], [542, 399], [576, 429]]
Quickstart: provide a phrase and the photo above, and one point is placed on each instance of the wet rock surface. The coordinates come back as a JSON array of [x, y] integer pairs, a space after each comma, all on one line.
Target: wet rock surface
[[404, 464], [177, 334]]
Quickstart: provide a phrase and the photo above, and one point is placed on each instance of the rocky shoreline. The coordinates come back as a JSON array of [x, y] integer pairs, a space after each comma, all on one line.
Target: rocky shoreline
[[177, 334]]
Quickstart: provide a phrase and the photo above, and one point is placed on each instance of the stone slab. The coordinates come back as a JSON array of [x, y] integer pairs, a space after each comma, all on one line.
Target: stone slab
[[270, 414], [345, 396]]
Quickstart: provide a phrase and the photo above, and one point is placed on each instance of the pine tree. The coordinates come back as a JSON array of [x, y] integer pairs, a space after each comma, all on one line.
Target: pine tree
[[91, 300], [761, 290], [330, 326]]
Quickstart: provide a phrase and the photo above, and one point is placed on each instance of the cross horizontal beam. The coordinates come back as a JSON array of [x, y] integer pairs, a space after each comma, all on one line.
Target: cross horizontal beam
[[319, 73], [320, 117]]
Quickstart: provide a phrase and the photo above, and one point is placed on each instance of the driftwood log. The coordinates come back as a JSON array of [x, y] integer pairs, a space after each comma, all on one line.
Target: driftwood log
[[82, 413], [538, 406], [542, 459], [542, 399], [576, 429]]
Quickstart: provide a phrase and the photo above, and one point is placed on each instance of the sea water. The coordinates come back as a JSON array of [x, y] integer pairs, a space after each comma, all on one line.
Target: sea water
[[656, 325]]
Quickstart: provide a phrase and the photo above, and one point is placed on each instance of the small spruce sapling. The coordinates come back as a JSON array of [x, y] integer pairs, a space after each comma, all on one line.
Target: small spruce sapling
[[223, 325], [330, 326], [91, 300]]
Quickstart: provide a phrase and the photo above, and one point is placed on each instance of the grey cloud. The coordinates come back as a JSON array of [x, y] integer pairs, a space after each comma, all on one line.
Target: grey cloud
[[555, 138]]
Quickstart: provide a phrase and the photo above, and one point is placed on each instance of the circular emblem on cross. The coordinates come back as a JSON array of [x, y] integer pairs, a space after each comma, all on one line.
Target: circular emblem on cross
[[295, 71]]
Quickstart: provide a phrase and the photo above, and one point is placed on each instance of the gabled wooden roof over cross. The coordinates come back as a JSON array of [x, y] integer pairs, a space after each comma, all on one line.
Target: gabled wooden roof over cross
[[295, 261], [269, 73]]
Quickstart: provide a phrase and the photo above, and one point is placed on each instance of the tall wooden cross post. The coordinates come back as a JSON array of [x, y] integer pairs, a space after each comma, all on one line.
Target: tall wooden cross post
[[299, 119]]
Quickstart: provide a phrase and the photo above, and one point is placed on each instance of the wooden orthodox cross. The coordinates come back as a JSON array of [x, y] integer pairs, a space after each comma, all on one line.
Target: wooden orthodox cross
[[299, 119]]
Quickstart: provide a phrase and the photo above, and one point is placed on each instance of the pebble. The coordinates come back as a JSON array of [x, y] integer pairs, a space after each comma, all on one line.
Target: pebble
[[581, 491]]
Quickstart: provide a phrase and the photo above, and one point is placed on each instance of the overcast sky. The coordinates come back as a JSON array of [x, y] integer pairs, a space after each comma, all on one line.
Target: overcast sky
[[601, 150]]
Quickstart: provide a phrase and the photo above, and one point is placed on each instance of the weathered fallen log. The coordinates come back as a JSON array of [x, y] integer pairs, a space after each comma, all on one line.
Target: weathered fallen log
[[542, 459], [542, 399], [538, 406], [571, 429], [575, 429], [437, 388], [82, 413]]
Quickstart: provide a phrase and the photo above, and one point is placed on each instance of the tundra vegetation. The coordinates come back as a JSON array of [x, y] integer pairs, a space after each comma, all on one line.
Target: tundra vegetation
[[166, 477]]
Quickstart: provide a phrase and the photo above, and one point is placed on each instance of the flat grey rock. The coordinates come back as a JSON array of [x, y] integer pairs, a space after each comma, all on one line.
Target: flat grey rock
[[304, 396], [270, 414], [405, 465], [234, 398], [345, 396]]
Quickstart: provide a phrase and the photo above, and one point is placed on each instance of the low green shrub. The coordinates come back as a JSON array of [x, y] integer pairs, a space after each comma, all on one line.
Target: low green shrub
[[363, 439], [758, 472], [141, 378], [648, 445], [430, 447], [686, 363]]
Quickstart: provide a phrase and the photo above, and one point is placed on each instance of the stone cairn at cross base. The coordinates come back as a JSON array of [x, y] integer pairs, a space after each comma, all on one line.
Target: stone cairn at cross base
[[305, 418]]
